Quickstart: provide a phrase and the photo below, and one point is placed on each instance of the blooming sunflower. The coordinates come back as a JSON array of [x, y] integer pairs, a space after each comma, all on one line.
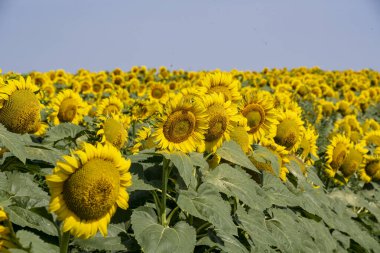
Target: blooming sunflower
[[144, 140], [308, 146], [67, 106], [261, 116], [289, 130], [182, 127], [113, 129], [158, 91], [19, 106], [240, 134], [370, 169], [370, 125], [336, 153], [220, 82], [111, 105], [353, 161], [221, 113], [86, 188]]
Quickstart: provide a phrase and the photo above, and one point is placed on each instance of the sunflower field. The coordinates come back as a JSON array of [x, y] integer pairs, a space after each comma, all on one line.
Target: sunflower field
[[157, 160]]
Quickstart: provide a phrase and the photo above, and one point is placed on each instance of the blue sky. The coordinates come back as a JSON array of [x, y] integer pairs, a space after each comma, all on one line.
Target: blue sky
[[193, 35]]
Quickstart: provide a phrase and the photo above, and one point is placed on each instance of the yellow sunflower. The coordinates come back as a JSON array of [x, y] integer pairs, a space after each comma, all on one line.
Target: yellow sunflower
[[86, 188], [261, 116], [143, 140], [308, 147], [370, 125], [353, 161], [111, 105], [220, 82], [240, 134], [158, 91], [113, 129], [336, 153], [5, 236], [67, 106], [372, 138], [19, 106], [370, 169], [182, 127], [221, 113], [289, 130]]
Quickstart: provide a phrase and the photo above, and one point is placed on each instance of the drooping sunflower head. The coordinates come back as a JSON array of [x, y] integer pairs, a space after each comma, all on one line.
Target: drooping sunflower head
[[86, 188], [289, 130], [336, 153], [68, 106], [370, 169], [240, 134], [221, 114], [308, 147], [19, 106], [113, 129], [220, 82], [259, 111], [182, 127], [111, 105]]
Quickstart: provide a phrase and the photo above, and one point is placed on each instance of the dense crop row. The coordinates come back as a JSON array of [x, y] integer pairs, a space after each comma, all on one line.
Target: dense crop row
[[179, 161]]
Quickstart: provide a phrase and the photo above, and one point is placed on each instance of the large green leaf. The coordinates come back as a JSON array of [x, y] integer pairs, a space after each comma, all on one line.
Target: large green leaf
[[62, 131], [207, 204], [232, 152], [27, 218], [230, 243], [183, 164], [155, 238], [236, 182], [34, 243], [13, 142], [264, 155]]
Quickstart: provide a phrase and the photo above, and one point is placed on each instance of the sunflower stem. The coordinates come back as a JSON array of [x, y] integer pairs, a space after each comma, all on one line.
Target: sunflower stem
[[64, 243], [165, 177]]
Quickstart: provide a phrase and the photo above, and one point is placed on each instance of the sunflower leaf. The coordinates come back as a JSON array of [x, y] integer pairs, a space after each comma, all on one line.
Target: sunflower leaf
[[62, 131], [35, 243], [13, 142], [236, 182], [264, 155], [232, 152], [183, 164], [155, 238], [207, 204]]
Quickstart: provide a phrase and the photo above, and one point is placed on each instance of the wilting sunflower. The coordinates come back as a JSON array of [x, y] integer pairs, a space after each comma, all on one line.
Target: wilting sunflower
[[144, 140], [336, 153], [370, 169], [113, 129], [220, 82], [111, 105], [19, 106], [67, 106], [289, 130], [182, 127], [86, 188], [308, 147], [261, 116], [221, 113]]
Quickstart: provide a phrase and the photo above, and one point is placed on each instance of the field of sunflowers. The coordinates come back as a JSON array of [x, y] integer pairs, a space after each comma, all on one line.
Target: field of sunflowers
[[157, 160]]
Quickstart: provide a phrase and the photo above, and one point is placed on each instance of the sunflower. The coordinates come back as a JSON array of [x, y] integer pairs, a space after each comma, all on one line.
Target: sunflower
[[372, 138], [370, 125], [240, 134], [289, 130], [86, 188], [158, 91], [370, 169], [144, 140], [308, 147], [113, 129], [221, 113], [220, 82], [19, 106], [67, 106], [353, 161], [5, 235], [182, 127], [336, 153], [261, 116], [111, 105], [192, 93]]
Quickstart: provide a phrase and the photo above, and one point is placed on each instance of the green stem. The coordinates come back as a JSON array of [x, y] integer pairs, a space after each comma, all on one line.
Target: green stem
[[165, 177], [171, 214], [204, 225], [64, 243]]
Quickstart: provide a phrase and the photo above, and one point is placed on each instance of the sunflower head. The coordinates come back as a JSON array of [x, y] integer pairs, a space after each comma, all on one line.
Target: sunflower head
[[113, 129], [240, 134], [111, 105], [308, 146], [87, 186], [144, 140], [336, 153], [224, 83], [353, 160], [182, 126], [19, 106], [370, 170], [289, 130]]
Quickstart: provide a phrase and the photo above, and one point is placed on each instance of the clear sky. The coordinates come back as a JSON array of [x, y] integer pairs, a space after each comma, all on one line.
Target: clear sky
[[193, 35]]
